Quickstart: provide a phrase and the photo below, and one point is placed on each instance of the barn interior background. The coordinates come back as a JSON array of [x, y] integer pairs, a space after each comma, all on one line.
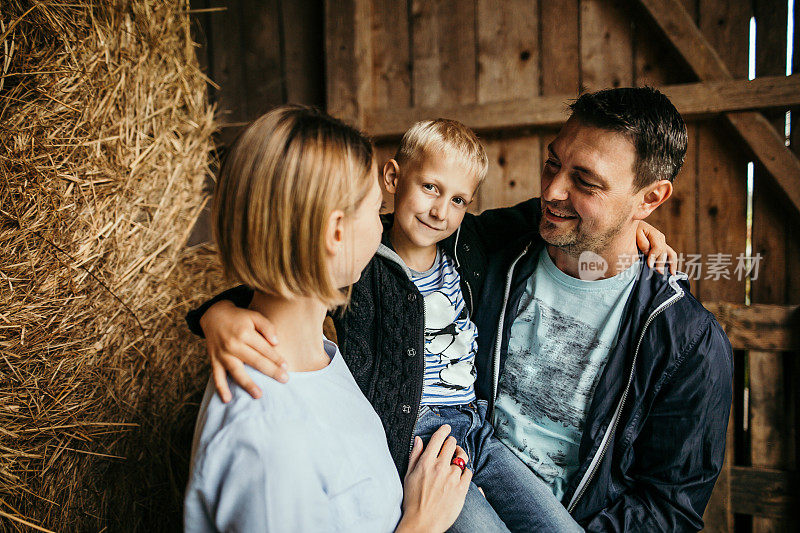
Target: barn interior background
[[106, 133]]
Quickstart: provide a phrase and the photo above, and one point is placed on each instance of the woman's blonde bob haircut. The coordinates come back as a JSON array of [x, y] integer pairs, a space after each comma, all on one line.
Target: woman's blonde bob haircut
[[285, 175]]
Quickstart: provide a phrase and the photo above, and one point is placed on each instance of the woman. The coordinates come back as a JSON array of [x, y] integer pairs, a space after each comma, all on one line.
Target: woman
[[310, 455]]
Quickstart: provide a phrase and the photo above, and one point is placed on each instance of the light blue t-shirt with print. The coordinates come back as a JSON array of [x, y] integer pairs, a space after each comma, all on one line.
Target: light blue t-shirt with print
[[560, 341], [451, 338], [309, 455]]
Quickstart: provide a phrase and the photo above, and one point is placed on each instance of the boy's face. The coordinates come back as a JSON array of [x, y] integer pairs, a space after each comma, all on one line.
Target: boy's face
[[431, 196]]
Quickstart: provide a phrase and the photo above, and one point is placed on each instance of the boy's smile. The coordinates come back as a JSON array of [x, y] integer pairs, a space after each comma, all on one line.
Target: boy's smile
[[431, 197]]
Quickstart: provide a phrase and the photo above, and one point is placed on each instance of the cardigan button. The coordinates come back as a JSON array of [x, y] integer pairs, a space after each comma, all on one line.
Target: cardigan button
[[406, 409], [411, 296], [411, 352], [477, 274], [466, 247]]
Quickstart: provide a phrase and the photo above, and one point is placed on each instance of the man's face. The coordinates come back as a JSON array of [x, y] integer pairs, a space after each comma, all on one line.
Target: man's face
[[588, 196]]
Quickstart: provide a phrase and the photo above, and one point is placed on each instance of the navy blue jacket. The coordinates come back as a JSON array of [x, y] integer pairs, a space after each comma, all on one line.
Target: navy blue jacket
[[654, 438]]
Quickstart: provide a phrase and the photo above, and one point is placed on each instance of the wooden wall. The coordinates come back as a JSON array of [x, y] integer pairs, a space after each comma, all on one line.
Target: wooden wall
[[507, 69], [259, 54]]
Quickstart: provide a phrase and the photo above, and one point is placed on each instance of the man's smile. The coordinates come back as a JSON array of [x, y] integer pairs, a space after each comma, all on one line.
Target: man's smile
[[557, 215]]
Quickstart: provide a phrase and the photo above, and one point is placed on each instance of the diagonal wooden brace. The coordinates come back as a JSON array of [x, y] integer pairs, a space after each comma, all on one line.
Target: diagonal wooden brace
[[762, 138]]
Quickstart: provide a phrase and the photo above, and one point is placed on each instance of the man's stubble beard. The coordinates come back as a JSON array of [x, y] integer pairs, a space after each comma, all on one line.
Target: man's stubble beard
[[575, 242]]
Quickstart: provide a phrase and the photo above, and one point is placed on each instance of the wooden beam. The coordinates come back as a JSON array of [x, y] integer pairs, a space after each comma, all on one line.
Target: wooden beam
[[766, 143], [762, 327], [688, 40], [769, 147], [764, 492], [693, 100], [541, 111]]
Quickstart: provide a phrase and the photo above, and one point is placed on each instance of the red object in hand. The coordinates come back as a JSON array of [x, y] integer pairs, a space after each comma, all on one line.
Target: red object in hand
[[459, 462]]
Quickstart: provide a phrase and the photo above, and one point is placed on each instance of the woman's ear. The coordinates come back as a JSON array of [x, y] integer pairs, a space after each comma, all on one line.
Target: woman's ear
[[391, 171], [334, 232]]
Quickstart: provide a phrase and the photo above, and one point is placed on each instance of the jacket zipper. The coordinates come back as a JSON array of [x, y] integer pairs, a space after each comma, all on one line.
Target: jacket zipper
[[458, 268], [419, 396], [587, 478], [499, 341]]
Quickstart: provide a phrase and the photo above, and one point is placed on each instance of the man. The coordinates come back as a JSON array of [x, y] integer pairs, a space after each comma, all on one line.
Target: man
[[615, 391]]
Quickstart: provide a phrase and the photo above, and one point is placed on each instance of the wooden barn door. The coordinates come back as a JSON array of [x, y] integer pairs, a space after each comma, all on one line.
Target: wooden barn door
[[508, 68]]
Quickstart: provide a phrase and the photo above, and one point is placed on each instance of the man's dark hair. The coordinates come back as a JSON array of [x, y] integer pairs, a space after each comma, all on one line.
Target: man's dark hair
[[648, 119]]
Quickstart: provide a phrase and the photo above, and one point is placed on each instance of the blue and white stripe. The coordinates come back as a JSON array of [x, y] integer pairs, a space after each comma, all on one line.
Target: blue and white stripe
[[450, 337]]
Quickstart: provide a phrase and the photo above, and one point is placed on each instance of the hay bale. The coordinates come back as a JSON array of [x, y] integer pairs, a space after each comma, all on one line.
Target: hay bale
[[106, 134]]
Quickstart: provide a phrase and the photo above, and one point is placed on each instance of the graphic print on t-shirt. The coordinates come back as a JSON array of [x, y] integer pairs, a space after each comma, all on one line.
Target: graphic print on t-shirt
[[443, 338], [451, 338], [552, 395], [560, 341]]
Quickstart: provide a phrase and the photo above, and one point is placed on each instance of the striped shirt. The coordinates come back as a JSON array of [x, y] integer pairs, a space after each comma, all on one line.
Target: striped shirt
[[451, 339]]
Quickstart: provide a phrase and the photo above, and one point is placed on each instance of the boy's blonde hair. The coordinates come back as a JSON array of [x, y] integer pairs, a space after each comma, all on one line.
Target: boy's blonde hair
[[286, 173], [443, 135]]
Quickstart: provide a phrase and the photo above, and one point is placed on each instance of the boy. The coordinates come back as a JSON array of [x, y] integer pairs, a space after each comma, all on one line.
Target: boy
[[407, 336]]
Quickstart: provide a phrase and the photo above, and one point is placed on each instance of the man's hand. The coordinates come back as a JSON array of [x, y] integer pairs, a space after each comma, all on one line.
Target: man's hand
[[653, 244], [434, 489], [235, 337]]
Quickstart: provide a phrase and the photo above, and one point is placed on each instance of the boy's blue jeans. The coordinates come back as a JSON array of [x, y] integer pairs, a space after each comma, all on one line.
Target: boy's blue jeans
[[516, 499]]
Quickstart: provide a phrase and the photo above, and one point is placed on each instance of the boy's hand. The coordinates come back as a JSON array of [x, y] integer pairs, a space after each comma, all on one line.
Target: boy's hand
[[236, 336], [653, 243], [434, 489]]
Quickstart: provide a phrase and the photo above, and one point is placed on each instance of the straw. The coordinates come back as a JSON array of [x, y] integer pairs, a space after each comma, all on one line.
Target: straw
[[105, 142]]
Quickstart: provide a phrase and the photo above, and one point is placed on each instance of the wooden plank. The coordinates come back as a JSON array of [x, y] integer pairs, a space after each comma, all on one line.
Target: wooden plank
[[347, 58], [200, 28], [391, 56], [656, 62], [701, 56], [605, 45], [765, 492], [262, 60], [513, 176], [457, 44], [538, 112], [443, 55], [721, 211], [692, 44], [426, 62], [694, 100], [304, 64], [508, 67], [771, 428], [560, 51], [768, 146], [793, 226], [763, 327], [508, 50], [227, 69], [722, 192]]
